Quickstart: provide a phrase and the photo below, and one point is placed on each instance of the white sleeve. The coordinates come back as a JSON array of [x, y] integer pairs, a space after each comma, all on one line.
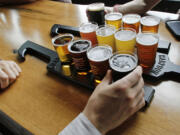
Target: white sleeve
[[138, 6], [80, 126]]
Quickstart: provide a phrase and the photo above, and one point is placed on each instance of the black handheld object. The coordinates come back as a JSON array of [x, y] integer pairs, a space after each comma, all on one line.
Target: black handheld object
[[58, 28], [174, 27], [54, 66], [9, 127]]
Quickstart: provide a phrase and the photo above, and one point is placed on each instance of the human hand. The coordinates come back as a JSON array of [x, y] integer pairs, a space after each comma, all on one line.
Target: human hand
[[113, 103], [9, 71]]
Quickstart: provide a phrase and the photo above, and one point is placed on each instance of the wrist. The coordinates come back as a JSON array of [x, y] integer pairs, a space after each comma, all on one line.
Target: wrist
[[95, 121], [116, 8]]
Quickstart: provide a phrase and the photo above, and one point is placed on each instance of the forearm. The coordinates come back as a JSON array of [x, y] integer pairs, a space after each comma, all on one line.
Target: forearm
[[138, 6], [15, 1]]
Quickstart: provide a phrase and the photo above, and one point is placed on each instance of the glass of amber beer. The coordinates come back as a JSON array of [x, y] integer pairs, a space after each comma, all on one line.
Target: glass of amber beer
[[95, 13], [114, 19], [125, 39], [131, 21], [60, 44], [150, 24], [88, 31], [78, 51], [122, 63], [98, 58], [105, 35], [146, 49]]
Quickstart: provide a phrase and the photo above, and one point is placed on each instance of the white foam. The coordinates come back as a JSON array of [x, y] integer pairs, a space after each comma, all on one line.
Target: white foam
[[87, 28], [113, 16], [99, 53], [125, 35], [147, 39], [150, 21], [131, 18], [105, 31], [96, 7]]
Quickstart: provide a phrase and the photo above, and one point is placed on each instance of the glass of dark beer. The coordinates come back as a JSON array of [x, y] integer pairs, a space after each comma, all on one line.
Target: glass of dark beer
[[95, 13], [78, 51], [98, 58], [122, 63]]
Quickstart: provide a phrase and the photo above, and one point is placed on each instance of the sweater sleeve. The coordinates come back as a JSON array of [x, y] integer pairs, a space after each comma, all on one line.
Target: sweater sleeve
[[138, 6], [80, 126]]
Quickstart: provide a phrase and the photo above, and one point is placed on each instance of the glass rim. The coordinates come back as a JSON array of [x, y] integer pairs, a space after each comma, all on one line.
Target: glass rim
[[60, 36], [78, 52], [156, 35], [125, 29], [96, 3], [124, 52], [108, 14], [137, 15], [150, 16], [88, 23], [100, 46], [106, 26]]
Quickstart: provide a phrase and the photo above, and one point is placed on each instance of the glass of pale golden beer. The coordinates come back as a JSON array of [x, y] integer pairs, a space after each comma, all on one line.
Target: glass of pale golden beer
[[88, 31], [98, 58], [95, 13], [78, 51], [125, 39], [131, 21], [150, 24], [60, 44], [114, 19], [147, 44], [122, 63], [105, 35]]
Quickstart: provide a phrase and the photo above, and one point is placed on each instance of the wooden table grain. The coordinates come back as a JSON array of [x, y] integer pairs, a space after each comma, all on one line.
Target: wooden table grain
[[44, 103]]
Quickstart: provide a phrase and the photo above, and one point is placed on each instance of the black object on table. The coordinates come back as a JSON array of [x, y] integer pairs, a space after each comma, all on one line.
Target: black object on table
[[9, 127], [174, 27], [54, 66]]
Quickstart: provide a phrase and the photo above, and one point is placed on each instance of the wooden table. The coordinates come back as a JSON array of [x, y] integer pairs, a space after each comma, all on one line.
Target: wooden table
[[44, 103]]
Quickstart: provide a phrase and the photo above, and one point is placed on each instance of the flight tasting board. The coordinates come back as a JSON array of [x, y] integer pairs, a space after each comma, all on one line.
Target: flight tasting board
[[163, 68]]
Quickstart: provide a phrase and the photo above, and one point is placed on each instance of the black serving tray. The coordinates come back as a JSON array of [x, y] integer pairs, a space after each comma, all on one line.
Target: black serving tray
[[54, 66]]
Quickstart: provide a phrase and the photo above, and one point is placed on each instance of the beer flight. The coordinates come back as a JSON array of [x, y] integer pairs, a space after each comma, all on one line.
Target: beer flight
[[112, 40]]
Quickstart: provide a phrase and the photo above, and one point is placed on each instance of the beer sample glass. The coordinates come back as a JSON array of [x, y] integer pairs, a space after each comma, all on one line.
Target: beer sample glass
[[105, 35], [98, 58], [78, 51], [125, 39], [60, 44], [88, 31], [122, 63], [95, 13], [146, 48], [131, 21], [114, 19], [150, 24]]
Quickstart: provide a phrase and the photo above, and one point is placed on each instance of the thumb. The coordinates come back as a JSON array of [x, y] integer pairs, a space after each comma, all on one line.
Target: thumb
[[108, 78]]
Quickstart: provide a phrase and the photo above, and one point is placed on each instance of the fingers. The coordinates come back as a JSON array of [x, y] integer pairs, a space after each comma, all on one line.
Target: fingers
[[4, 80], [9, 72], [108, 78], [128, 81]]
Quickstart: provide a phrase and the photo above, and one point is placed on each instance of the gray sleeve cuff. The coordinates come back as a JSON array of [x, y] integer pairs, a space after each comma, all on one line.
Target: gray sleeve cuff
[[80, 126]]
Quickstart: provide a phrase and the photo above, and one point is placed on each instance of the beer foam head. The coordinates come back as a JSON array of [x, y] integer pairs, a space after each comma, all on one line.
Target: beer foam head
[[88, 27], [113, 16], [99, 53], [125, 35], [147, 39], [123, 62], [150, 21], [79, 46], [105, 31], [131, 18], [96, 7]]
